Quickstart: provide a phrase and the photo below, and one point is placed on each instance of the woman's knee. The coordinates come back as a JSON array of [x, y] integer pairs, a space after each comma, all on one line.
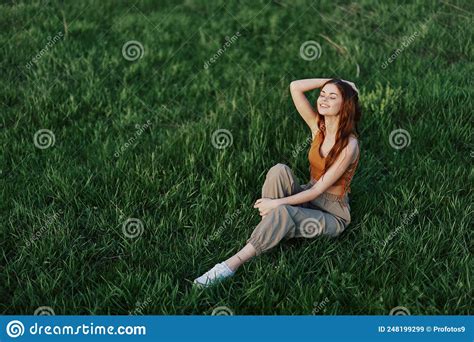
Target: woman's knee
[[278, 169]]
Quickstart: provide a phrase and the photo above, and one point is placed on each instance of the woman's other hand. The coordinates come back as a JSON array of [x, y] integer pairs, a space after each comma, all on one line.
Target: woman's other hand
[[264, 205]]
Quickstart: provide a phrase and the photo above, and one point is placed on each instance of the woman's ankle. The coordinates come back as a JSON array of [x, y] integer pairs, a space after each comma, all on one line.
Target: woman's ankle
[[232, 264]]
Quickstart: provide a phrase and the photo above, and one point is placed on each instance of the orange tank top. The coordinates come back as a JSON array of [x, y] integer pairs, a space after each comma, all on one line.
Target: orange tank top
[[317, 163]]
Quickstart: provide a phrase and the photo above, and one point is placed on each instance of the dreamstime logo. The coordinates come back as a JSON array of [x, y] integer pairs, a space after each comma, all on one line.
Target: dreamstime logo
[[139, 131], [44, 311], [132, 50], [51, 42], [222, 138], [311, 227], [15, 329], [44, 138], [222, 311], [50, 221], [301, 147], [399, 311], [139, 307], [406, 43], [221, 228], [320, 306], [399, 138], [220, 52], [310, 50], [132, 227], [406, 220]]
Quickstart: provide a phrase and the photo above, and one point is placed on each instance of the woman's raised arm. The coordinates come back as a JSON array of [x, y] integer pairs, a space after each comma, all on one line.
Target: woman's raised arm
[[297, 89]]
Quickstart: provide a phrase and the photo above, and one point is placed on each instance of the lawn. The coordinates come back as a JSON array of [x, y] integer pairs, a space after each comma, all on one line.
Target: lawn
[[137, 135]]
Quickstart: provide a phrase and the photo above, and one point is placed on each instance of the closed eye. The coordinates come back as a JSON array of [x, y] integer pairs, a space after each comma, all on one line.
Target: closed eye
[[332, 97]]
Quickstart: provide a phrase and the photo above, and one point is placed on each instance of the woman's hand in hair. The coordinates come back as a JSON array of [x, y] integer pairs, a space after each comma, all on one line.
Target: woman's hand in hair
[[352, 85]]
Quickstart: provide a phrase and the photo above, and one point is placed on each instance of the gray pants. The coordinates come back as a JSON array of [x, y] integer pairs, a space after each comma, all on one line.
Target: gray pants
[[324, 215]]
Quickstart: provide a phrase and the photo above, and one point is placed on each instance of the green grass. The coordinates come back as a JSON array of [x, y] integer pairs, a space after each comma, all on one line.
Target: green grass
[[75, 195]]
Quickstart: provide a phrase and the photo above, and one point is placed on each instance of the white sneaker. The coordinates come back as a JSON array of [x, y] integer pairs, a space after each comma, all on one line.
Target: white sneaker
[[214, 275]]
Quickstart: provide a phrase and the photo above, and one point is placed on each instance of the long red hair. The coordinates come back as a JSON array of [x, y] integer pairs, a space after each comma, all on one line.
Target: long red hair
[[350, 114]]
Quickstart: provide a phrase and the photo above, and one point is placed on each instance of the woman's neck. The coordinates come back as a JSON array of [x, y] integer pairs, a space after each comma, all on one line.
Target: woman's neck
[[332, 124]]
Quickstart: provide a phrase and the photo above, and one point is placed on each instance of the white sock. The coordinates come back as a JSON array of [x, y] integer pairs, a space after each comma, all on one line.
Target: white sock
[[217, 273]]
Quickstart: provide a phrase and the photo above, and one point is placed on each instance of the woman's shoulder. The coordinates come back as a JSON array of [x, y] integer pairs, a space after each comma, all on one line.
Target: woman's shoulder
[[354, 139]]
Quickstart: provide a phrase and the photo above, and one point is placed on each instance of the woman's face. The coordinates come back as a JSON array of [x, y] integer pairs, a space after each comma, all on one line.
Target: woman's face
[[330, 100]]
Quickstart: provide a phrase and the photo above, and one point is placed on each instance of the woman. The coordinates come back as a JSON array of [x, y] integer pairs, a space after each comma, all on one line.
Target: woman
[[320, 207]]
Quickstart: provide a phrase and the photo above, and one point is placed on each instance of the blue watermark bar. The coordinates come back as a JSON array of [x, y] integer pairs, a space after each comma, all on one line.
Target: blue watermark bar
[[237, 328]]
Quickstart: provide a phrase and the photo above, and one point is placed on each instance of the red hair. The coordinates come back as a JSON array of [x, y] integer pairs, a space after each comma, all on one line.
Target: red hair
[[350, 114]]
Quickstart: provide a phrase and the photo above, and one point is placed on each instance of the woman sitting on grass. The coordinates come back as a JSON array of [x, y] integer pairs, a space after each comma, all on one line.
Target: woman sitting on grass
[[320, 207]]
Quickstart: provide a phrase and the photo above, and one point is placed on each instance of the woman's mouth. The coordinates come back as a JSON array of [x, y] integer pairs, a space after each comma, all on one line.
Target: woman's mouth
[[322, 105]]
